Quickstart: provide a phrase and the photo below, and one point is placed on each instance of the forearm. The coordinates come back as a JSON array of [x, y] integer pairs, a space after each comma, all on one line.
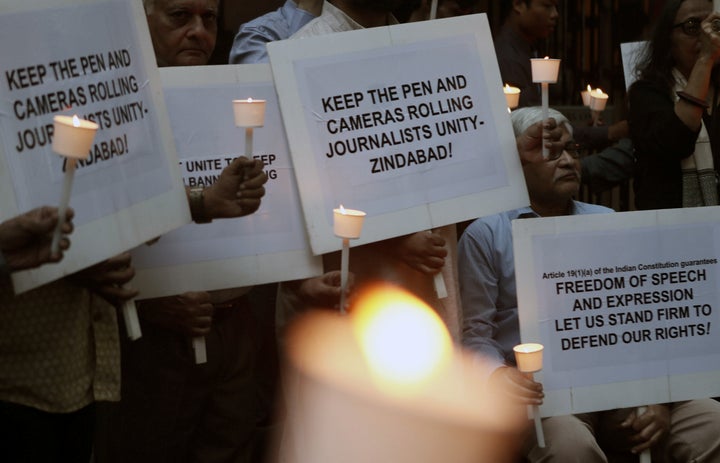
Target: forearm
[[698, 85]]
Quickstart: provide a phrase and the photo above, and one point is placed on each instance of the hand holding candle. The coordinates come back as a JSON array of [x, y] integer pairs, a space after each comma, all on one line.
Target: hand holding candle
[[72, 138], [529, 360], [545, 71], [347, 224]]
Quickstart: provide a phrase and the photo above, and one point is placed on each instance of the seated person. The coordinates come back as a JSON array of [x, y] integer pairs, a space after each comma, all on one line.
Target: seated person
[[681, 431]]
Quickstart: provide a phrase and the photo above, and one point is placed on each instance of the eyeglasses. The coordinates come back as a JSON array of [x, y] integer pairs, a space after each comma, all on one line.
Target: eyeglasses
[[572, 148], [690, 26]]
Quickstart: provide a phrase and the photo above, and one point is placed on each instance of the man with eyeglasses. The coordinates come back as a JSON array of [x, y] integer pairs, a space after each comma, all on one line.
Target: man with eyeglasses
[[490, 327]]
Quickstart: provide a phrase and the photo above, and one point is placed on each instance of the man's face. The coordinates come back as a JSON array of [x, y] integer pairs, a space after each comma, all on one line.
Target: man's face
[[538, 19], [183, 31], [553, 180]]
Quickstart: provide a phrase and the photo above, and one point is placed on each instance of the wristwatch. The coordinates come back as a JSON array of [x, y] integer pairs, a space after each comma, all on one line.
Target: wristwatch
[[196, 199]]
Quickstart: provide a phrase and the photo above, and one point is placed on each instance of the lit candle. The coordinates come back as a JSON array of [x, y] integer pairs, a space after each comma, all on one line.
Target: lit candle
[[585, 94], [386, 384], [347, 224], [512, 96], [529, 360], [72, 138], [598, 100], [545, 71], [249, 114]]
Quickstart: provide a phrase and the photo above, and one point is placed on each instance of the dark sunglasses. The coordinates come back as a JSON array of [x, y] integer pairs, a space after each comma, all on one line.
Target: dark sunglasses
[[572, 148], [690, 26]]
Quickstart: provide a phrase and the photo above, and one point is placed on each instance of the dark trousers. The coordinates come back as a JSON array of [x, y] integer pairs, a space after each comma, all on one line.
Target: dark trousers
[[175, 411], [28, 435]]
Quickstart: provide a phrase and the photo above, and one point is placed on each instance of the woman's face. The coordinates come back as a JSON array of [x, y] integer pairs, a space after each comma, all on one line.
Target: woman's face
[[685, 46]]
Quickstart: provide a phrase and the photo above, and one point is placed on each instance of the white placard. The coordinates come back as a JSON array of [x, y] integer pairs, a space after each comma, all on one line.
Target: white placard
[[627, 306], [267, 246], [408, 123], [631, 53], [93, 59]]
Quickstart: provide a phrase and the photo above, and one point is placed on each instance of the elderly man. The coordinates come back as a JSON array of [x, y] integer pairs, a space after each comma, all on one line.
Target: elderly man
[[685, 431], [173, 409]]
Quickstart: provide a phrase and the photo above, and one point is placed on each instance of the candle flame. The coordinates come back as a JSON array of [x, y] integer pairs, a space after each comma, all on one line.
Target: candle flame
[[599, 91], [547, 57], [76, 121], [589, 88], [404, 341], [249, 100], [342, 210]]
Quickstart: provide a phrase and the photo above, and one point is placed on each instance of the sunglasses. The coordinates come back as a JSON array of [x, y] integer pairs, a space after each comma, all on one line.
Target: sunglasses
[[690, 26], [572, 148]]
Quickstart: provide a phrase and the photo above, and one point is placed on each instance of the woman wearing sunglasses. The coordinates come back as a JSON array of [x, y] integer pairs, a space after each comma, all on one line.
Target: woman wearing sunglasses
[[673, 114]]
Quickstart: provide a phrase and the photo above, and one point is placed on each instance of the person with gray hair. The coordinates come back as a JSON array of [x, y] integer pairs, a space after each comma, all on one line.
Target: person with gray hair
[[682, 431]]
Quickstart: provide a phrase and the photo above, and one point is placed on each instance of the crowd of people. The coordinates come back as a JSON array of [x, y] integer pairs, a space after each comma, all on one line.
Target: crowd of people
[[73, 389]]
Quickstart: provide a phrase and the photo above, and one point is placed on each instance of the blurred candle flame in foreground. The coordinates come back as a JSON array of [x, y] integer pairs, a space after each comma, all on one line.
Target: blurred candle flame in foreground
[[385, 384], [425, 350]]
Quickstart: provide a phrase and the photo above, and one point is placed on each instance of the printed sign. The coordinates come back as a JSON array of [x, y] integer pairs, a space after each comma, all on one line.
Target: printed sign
[[407, 123], [625, 304]]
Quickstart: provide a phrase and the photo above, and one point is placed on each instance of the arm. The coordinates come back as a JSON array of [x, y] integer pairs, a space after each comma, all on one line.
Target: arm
[[698, 83], [107, 278], [423, 251], [237, 192], [25, 239], [479, 292], [655, 127], [610, 167], [188, 314], [648, 429]]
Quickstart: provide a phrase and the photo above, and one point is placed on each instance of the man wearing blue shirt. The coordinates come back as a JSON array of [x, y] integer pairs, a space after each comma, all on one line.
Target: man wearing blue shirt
[[249, 43], [681, 431]]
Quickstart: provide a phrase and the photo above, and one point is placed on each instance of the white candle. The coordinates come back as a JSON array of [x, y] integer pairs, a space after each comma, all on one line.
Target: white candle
[[585, 94], [529, 360], [545, 69], [249, 112], [198, 345], [512, 96], [347, 223], [132, 323], [433, 9], [72, 138], [598, 100], [386, 384], [529, 357]]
